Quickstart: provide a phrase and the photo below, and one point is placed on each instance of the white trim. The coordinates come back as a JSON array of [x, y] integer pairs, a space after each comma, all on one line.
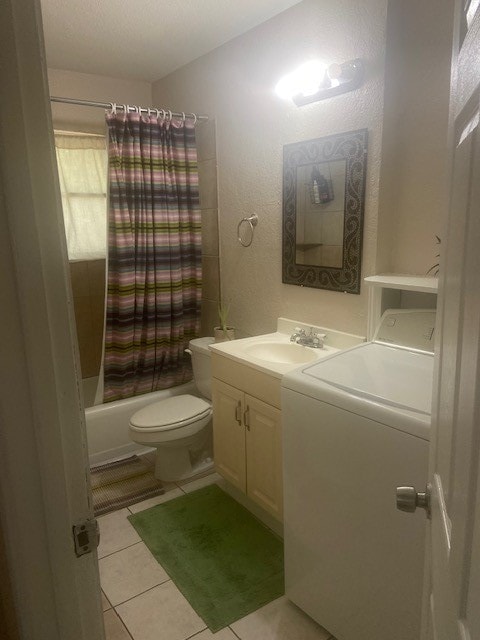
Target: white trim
[[43, 468]]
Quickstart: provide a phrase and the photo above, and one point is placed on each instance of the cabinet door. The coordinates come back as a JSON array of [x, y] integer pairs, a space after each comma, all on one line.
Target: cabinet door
[[264, 455], [229, 433]]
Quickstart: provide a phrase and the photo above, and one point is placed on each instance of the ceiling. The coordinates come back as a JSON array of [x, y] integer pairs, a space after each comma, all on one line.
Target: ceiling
[[145, 40]]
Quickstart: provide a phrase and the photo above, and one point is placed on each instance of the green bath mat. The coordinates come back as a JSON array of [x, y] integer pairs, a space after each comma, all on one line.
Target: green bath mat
[[223, 560]]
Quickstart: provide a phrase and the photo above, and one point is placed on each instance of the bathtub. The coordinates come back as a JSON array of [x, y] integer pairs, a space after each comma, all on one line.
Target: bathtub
[[107, 424]]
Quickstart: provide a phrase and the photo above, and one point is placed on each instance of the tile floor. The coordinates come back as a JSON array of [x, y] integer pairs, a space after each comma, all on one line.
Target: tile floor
[[140, 602]]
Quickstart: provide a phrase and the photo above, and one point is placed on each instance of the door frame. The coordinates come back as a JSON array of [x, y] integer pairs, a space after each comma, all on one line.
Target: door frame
[[44, 479]]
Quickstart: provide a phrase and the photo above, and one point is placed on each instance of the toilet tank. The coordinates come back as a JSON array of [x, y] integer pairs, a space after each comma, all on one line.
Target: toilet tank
[[202, 365]]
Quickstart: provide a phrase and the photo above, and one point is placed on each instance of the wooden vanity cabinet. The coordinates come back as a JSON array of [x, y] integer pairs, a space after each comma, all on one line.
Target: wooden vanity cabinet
[[247, 433]]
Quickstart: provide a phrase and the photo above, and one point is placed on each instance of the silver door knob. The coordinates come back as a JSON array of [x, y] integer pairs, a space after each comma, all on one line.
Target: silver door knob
[[408, 499]]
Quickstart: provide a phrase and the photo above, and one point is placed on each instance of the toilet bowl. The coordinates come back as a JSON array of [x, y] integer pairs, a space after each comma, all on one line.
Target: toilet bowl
[[180, 427]]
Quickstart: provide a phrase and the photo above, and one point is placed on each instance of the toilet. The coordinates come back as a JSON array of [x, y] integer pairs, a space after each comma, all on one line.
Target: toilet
[[180, 427]]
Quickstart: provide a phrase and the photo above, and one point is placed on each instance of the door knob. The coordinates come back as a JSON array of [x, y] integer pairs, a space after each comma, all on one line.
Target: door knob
[[408, 499]]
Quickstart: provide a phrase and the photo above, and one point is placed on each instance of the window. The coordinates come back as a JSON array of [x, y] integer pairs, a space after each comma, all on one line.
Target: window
[[82, 169]]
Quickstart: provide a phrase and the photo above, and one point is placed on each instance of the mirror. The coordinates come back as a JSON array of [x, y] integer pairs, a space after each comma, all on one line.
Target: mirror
[[323, 204]]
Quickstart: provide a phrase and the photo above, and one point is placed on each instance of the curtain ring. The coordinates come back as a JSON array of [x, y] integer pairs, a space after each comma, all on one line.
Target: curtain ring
[[113, 107], [157, 113], [194, 118], [125, 108], [183, 116], [170, 115]]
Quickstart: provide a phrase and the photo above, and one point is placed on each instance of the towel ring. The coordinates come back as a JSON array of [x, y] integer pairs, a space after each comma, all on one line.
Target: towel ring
[[252, 221]]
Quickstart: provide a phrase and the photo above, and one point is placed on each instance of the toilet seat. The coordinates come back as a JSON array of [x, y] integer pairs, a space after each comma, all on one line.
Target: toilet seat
[[170, 414]]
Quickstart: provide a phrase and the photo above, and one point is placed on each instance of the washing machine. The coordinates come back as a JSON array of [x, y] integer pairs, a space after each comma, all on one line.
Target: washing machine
[[355, 426]]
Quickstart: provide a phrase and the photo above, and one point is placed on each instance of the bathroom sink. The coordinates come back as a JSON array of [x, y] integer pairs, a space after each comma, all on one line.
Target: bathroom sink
[[281, 352]]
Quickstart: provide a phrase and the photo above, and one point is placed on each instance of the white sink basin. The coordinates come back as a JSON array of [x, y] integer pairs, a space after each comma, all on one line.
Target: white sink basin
[[281, 352]]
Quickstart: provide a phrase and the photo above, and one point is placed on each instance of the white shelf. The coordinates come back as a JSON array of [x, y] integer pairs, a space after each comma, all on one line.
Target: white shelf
[[390, 290], [424, 284]]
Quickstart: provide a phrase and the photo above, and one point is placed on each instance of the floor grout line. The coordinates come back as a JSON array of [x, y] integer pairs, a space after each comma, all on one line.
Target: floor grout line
[[235, 634], [197, 633], [141, 593], [122, 549], [124, 626]]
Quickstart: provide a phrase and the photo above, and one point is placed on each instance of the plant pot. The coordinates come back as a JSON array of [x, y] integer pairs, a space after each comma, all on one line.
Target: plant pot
[[221, 335]]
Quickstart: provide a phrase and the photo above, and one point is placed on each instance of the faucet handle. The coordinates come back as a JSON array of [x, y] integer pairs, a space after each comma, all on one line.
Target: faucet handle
[[319, 339], [298, 333]]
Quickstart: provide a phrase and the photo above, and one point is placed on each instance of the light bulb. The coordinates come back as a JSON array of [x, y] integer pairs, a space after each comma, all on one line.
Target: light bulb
[[305, 80]]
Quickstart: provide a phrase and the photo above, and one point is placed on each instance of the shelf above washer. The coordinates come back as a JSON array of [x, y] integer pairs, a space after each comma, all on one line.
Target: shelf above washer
[[424, 284], [397, 291]]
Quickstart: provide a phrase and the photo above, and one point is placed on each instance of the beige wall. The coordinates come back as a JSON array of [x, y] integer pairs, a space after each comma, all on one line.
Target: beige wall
[[234, 84], [405, 111], [414, 176], [85, 86], [88, 289], [207, 173]]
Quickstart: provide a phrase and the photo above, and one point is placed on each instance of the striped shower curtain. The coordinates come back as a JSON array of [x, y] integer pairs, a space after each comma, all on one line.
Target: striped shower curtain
[[154, 254]]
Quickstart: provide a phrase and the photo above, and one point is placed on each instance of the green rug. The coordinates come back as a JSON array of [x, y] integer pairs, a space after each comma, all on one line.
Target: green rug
[[223, 560]]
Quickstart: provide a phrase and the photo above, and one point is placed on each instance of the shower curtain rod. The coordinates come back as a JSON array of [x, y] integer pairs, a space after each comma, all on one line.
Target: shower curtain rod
[[108, 105]]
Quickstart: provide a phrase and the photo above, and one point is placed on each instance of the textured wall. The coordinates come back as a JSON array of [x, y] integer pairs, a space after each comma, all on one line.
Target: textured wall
[[207, 173], [85, 86], [88, 289], [414, 176], [235, 85]]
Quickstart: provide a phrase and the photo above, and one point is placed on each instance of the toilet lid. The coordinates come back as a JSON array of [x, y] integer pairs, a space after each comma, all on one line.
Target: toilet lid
[[171, 413]]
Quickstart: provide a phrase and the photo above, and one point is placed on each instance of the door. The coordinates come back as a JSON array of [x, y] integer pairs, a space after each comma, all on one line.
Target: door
[[229, 433], [452, 601], [264, 455], [44, 475]]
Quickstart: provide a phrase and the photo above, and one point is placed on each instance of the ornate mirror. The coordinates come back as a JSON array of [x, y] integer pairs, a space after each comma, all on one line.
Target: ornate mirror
[[323, 203]]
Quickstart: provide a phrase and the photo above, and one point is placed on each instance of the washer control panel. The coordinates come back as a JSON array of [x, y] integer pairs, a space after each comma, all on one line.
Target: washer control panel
[[409, 328]]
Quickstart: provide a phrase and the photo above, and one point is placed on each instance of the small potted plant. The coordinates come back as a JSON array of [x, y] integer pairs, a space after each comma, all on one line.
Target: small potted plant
[[223, 332]]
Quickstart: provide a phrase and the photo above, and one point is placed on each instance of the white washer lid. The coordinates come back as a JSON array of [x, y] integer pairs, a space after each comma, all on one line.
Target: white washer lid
[[171, 411], [387, 375]]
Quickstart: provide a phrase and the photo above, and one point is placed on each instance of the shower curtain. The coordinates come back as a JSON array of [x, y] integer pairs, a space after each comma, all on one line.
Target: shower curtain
[[154, 254]]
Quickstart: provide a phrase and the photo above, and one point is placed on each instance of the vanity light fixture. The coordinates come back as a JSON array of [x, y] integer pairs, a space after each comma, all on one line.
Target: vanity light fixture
[[314, 81]]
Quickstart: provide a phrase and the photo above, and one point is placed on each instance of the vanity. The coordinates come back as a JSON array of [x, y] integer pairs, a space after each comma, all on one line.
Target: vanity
[[247, 426]]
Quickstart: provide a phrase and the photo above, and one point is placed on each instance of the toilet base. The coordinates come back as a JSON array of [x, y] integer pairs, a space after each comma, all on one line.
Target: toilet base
[[178, 465], [185, 458]]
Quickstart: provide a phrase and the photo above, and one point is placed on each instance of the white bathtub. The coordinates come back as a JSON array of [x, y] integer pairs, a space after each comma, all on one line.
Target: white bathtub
[[107, 424]]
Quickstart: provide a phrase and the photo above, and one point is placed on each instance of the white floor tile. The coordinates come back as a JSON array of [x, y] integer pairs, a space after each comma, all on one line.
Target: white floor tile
[[114, 628], [175, 492], [129, 572], [223, 634], [160, 614], [279, 620], [116, 532], [200, 482], [105, 603]]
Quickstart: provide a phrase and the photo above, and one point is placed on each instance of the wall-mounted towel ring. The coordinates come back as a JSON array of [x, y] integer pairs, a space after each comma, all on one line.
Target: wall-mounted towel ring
[[252, 222]]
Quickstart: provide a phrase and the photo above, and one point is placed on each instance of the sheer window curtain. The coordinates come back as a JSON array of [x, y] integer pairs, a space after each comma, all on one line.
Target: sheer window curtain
[[82, 169]]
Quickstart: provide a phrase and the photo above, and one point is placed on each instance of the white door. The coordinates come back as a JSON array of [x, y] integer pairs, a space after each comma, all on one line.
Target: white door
[[44, 477], [452, 602]]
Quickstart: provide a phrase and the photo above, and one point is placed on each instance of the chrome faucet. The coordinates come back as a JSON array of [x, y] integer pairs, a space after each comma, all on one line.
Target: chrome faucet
[[298, 335], [314, 340]]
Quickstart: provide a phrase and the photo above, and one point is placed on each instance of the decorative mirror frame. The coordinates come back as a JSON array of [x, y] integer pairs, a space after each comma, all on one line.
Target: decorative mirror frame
[[351, 147]]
